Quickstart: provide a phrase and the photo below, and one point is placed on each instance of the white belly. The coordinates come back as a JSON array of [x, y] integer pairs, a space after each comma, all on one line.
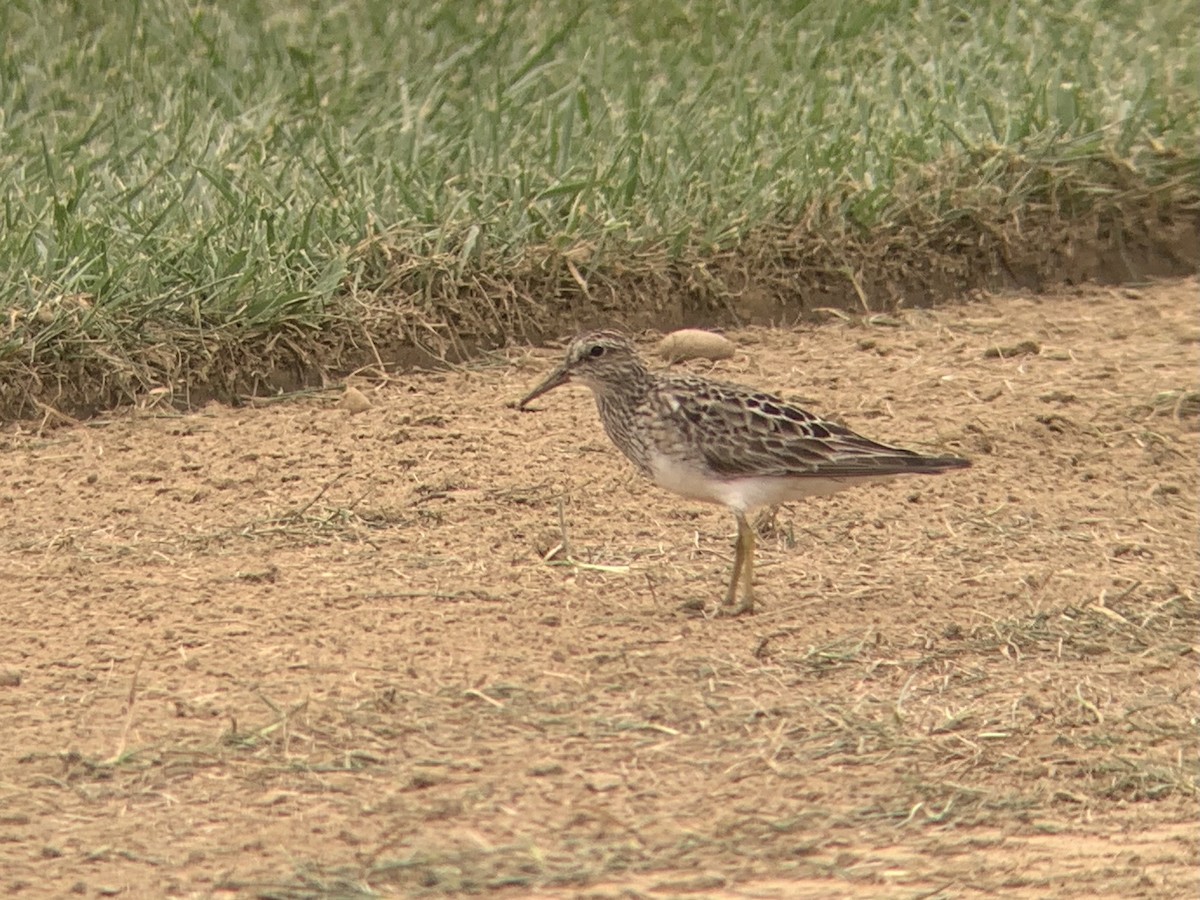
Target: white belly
[[744, 494]]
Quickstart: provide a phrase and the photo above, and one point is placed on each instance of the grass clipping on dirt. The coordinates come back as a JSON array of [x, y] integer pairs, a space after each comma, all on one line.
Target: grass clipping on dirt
[[323, 186]]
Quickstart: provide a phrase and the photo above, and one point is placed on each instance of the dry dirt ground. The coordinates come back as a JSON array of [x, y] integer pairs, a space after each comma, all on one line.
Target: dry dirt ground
[[291, 651]]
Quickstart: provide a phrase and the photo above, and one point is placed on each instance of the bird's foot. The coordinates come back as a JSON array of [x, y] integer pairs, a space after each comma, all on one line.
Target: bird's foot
[[745, 608]]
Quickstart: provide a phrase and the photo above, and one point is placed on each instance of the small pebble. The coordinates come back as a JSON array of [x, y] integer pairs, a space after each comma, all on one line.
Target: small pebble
[[602, 782], [1021, 348]]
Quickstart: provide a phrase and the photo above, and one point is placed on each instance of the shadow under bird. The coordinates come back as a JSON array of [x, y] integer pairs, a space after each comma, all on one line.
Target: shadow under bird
[[724, 443]]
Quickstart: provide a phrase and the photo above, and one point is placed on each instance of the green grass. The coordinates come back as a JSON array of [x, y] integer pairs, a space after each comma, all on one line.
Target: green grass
[[182, 180]]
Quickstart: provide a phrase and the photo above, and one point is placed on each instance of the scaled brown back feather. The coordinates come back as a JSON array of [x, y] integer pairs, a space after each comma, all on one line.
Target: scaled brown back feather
[[777, 438]]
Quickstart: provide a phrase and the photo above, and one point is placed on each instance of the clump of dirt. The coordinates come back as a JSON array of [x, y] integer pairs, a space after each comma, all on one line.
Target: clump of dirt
[[431, 644]]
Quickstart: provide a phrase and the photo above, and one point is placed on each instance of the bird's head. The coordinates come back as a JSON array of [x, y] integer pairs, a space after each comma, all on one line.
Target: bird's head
[[601, 360]]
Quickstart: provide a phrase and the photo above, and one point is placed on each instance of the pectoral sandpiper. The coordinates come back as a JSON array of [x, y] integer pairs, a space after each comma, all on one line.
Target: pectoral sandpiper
[[723, 443]]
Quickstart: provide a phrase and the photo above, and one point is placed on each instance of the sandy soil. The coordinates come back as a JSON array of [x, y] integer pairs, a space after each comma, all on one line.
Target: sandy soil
[[291, 651]]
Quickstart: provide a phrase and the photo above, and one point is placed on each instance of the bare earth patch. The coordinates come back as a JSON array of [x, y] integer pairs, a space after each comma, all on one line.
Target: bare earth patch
[[441, 646]]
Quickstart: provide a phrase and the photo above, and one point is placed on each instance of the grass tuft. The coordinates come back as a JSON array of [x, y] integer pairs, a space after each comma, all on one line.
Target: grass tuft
[[221, 200]]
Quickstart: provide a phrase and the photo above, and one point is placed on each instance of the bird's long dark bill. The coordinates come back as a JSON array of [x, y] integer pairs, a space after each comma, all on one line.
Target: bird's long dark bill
[[558, 377]]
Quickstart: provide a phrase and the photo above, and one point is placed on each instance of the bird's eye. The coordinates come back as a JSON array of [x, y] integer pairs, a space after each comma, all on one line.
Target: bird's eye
[[596, 351]]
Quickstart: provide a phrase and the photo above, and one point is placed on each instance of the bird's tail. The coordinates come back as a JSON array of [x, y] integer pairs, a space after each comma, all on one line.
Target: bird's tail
[[900, 462], [934, 465]]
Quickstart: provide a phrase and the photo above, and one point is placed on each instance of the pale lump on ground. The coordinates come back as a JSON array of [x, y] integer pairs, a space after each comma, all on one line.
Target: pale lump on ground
[[354, 401], [692, 343]]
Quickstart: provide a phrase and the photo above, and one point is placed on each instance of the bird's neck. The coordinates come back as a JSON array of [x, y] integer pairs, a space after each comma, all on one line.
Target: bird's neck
[[623, 398], [620, 408]]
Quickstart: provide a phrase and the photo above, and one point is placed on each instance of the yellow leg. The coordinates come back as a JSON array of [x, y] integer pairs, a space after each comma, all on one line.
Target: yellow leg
[[747, 569], [739, 555], [743, 570]]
